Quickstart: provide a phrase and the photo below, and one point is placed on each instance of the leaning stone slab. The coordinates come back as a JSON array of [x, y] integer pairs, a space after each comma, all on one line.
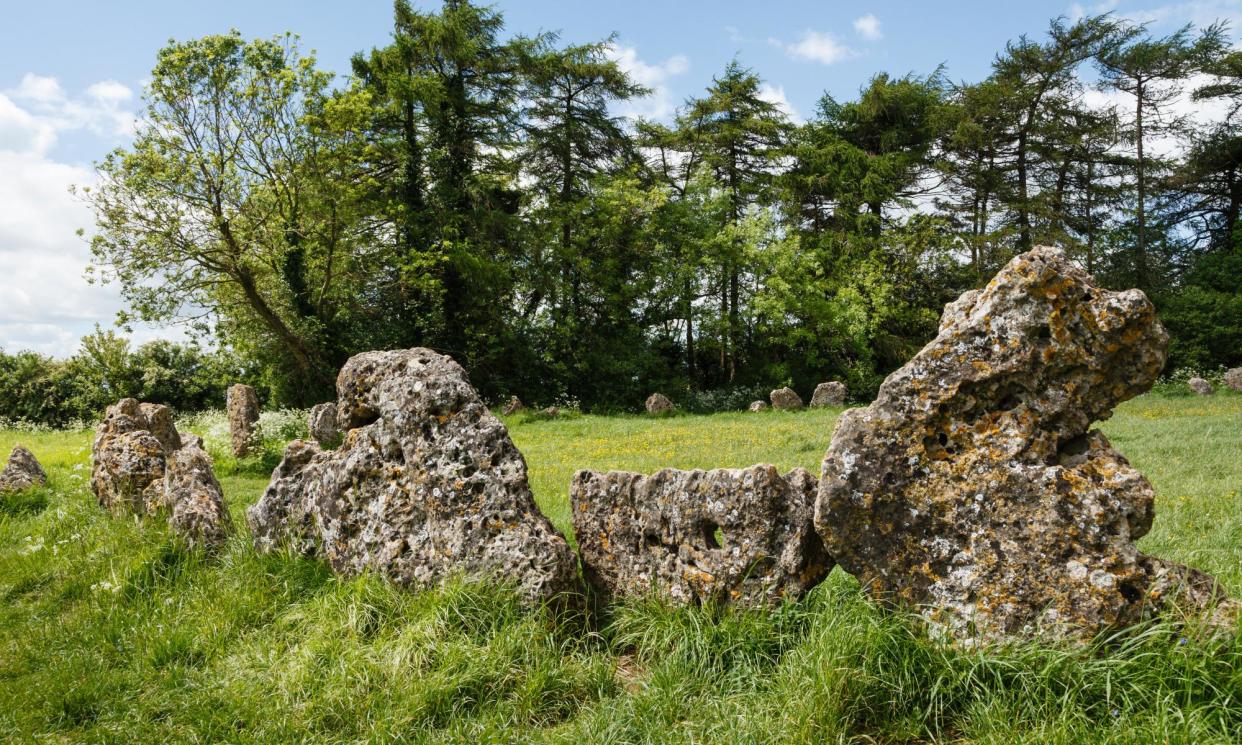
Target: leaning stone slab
[[828, 394], [725, 536], [21, 472], [426, 485], [243, 412], [973, 490], [193, 497], [128, 455], [513, 406], [786, 399]]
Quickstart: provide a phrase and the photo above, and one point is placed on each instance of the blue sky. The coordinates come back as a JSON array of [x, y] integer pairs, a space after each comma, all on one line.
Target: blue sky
[[71, 75]]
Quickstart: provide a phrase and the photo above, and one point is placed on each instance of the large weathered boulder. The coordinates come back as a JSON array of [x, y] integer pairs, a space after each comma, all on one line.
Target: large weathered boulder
[[972, 490], [757, 406], [514, 406], [725, 536], [1233, 379], [243, 411], [323, 426], [786, 399], [658, 404], [193, 497], [128, 454], [696, 537], [831, 393], [426, 485], [22, 471], [1200, 386]]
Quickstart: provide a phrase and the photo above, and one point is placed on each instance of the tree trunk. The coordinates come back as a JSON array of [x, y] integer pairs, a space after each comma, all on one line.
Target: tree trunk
[[1140, 258]]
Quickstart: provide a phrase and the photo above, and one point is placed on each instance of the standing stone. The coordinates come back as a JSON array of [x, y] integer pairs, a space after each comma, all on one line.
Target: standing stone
[[828, 394], [785, 399], [514, 406], [972, 489], [322, 425], [658, 404], [243, 410], [1200, 386], [21, 472], [757, 405], [427, 485], [128, 455], [550, 413], [1233, 379], [725, 536], [195, 501]]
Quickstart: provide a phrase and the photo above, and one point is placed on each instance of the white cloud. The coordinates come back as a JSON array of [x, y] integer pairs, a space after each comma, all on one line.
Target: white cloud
[[868, 27], [1200, 113], [46, 305], [660, 104], [816, 46], [775, 94]]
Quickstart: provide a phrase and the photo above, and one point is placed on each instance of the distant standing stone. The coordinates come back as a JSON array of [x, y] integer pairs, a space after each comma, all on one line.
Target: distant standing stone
[[658, 403], [758, 405], [323, 426], [740, 536], [551, 412], [243, 409], [1200, 386], [514, 406], [828, 394], [1233, 379], [786, 399], [21, 472]]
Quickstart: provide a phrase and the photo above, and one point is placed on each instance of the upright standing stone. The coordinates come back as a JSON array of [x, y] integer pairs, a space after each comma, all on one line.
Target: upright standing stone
[[243, 410], [785, 399], [323, 426], [128, 455], [658, 404], [973, 491], [757, 406], [725, 536], [828, 394], [195, 501], [1200, 386], [427, 485], [1233, 379], [21, 472], [514, 406]]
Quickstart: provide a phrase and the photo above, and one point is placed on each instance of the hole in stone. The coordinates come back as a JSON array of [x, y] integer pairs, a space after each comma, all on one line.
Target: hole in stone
[[1130, 592], [1074, 446], [713, 536], [362, 417]]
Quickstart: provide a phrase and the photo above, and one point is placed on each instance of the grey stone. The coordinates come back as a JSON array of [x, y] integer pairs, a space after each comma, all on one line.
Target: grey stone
[[128, 455], [426, 485], [1200, 386], [757, 406], [1233, 379], [828, 394], [658, 403], [786, 399], [323, 426], [973, 491], [514, 406], [726, 536], [243, 412], [193, 497], [21, 472]]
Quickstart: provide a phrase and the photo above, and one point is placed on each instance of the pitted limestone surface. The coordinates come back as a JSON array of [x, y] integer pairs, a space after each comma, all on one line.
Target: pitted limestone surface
[[128, 455]]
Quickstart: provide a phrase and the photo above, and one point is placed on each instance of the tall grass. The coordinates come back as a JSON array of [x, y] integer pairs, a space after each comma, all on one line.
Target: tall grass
[[111, 632]]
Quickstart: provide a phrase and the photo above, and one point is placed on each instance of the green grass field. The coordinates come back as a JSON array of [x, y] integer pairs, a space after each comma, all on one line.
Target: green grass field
[[110, 632]]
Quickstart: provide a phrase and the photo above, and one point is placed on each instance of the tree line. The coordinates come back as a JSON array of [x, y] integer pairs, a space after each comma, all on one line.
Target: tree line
[[475, 191]]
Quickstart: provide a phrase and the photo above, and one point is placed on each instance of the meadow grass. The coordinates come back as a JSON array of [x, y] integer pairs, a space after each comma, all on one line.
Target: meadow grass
[[111, 632]]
